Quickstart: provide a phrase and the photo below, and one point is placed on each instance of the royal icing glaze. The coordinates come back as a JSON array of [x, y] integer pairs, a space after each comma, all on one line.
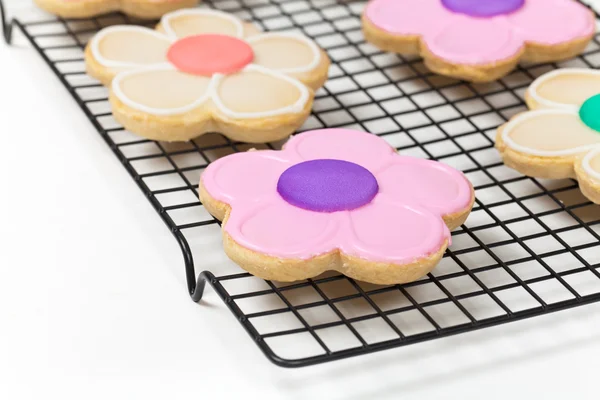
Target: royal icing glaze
[[566, 123], [549, 90], [189, 22], [275, 99], [151, 96], [302, 54], [210, 54], [326, 185], [549, 133], [129, 47], [395, 216], [198, 89], [248, 78], [473, 39]]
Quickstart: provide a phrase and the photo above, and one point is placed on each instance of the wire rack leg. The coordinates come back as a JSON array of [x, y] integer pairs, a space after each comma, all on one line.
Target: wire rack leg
[[7, 27], [204, 277]]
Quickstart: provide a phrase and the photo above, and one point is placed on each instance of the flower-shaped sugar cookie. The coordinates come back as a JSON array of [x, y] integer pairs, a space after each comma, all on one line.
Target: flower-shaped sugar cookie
[[335, 199], [479, 40], [147, 9], [560, 138], [203, 71]]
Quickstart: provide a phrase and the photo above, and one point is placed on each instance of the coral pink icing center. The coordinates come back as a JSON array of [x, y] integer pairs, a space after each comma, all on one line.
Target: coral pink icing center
[[210, 54]]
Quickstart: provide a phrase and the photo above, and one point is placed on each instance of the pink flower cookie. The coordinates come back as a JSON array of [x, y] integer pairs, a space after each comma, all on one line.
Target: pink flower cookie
[[335, 199], [479, 40], [560, 137], [207, 71], [147, 9]]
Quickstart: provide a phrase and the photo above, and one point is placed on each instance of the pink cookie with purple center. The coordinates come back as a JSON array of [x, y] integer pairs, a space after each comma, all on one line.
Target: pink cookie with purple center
[[335, 199], [479, 40], [147, 9]]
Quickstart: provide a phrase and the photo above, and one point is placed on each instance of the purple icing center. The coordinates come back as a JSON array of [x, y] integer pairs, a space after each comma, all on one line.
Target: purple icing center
[[327, 185], [483, 8]]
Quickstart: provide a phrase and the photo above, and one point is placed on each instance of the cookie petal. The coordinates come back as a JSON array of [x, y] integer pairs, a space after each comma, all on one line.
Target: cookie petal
[[392, 232], [591, 165], [257, 92], [549, 133], [189, 22], [129, 47], [474, 41], [552, 22], [161, 90], [433, 185], [369, 151], [285, 52], [279, 229], [246, 177], [408, 17], [566, 88], [587, 171]]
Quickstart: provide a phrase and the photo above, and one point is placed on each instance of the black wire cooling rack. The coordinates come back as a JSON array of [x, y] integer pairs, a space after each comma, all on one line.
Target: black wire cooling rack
[[529, 248]]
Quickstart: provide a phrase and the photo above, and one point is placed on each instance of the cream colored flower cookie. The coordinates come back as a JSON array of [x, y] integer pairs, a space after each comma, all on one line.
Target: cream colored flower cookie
[[560, 137], [207, 71], [147, 9], [479, 40]]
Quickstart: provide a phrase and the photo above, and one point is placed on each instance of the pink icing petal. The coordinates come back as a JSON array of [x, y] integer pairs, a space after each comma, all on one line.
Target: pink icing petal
[[402, 223], [552, 21], [468, 40], [433, 185], [367, 150], [243, 177], [408, 17], [392, 232], [279, 229]]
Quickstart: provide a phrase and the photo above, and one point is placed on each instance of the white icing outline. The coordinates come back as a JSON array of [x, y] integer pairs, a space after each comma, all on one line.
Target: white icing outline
[[118, 92], [295, 36], [169, 31], [212, 90], [211, 93], [542, 153], [587, 163], [295, 108], [95, 45], [550, 75]]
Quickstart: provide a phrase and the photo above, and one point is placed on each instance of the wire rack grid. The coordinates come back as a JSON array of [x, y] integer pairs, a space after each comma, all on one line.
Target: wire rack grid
[[530, 247]]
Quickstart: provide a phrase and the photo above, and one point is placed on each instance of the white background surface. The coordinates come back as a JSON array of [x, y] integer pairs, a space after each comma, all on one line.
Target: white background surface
[[93, 301]]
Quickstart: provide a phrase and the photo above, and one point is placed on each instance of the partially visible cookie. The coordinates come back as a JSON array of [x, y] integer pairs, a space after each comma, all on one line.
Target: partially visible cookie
[[479, 40], [560, 137], [146, 9], [207, 71], [335, 199]]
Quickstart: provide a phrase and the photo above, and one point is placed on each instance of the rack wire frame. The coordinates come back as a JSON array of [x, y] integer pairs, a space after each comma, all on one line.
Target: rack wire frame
[[530, 247]]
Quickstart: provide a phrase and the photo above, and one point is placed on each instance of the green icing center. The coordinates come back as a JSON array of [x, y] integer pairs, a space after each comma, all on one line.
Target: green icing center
[[590, 112]]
